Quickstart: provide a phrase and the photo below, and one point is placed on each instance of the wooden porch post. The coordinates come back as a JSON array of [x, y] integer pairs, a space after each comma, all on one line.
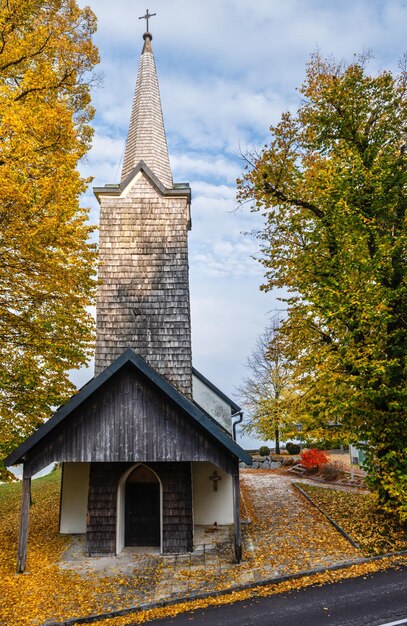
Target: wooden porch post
[[24, 517], [236, 514]]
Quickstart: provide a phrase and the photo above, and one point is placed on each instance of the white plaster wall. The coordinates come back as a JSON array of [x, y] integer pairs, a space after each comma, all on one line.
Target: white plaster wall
[[211, 403], [74, 498], [353, 453], [121, 513], [211, 506]]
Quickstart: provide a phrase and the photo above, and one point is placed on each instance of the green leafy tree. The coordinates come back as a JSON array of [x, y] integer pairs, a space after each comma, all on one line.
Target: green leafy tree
[[333, 189], [46, 261]]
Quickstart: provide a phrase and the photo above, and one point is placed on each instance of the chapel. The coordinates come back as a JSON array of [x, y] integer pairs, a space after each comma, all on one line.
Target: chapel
[[146, 447]]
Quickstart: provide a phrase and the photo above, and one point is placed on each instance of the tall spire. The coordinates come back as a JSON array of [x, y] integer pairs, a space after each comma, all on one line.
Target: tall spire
[[146, 140]]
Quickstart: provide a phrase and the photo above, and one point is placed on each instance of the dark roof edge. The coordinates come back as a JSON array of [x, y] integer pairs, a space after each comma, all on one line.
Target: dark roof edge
[[129, 356], [92, 385], [216, 390], [179, 189]]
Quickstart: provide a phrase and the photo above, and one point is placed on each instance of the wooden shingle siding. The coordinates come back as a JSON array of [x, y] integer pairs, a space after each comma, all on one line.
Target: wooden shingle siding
[[143, 293], [177, 506], [127, 421], [177, 520], [102, 508], [146, 137]]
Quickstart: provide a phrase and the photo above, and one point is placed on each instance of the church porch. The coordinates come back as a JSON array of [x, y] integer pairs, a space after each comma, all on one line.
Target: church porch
[[139, 504], [161, 505]]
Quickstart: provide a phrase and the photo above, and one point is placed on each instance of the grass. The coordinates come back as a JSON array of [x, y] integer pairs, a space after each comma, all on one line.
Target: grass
[[10, 493], [375, 532]]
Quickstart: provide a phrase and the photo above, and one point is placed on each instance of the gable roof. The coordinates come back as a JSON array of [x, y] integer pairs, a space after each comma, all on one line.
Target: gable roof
[[130, 357], [178, 189], [234, 407], [115, 190]]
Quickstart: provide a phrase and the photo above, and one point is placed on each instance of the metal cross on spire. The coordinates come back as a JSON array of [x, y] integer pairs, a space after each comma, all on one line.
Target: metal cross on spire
[[147, 17]]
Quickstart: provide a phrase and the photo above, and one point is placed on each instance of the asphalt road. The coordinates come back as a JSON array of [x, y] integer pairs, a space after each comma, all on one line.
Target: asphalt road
[[374, 600]]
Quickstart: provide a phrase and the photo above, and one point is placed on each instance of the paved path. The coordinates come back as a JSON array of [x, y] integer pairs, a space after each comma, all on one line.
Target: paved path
[[286, 534]]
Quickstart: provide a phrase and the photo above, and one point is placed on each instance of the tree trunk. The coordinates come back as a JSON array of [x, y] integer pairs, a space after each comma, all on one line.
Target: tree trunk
[[277, 438], [24, 518]]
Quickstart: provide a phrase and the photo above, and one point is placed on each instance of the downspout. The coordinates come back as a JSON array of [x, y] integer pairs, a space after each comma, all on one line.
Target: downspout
[[236, 496], [239, 421]]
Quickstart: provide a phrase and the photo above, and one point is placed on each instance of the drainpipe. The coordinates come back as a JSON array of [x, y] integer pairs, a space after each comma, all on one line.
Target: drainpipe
[[239, 421]]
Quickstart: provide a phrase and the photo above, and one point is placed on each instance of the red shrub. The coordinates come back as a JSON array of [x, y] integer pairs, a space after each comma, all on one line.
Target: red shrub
[[313, 458]]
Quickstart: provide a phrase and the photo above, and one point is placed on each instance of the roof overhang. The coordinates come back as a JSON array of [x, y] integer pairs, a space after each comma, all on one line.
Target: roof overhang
[[130, 357]]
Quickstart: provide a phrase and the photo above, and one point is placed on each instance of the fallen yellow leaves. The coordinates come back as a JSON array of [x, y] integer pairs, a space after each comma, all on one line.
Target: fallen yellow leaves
[[286, 535], [45, 591], [374, 531], [234, 596]]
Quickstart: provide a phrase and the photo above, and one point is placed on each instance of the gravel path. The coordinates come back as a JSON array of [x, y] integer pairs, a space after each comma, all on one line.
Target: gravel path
[[287, 533]]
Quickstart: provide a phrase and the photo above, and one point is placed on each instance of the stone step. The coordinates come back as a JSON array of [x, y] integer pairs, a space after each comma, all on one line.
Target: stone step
[[298, 469]]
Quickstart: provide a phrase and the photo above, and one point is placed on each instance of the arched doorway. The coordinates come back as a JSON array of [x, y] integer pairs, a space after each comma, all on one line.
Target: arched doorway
[[141, 496]]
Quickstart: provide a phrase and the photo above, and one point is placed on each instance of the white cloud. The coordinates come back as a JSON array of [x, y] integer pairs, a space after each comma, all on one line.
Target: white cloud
[[190, 165], [106, 148], [227, 69], [217, 114], [264, 39], [226, 259], [209, 190]]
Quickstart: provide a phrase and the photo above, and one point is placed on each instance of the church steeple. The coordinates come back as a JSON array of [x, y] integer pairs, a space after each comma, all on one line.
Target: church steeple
[[146, 140], [143, 290]]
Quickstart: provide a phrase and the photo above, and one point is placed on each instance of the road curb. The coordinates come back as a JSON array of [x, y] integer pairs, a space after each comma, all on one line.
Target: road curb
[[330, 520], [223, 592]]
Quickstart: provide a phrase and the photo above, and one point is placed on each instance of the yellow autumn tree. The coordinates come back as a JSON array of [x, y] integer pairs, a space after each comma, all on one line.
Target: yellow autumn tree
[[46, 261]]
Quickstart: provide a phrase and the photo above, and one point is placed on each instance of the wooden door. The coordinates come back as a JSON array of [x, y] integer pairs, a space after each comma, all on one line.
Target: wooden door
[[142, 514]]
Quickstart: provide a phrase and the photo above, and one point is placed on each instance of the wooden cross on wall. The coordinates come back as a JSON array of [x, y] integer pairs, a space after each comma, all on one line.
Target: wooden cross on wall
[[147, 17], [215, 478]]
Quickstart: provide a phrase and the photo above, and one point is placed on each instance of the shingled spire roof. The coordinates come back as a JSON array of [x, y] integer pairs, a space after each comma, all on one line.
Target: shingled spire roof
[[146, 140]]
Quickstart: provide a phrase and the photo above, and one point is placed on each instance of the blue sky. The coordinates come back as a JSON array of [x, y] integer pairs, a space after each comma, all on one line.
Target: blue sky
[[227, 70]]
